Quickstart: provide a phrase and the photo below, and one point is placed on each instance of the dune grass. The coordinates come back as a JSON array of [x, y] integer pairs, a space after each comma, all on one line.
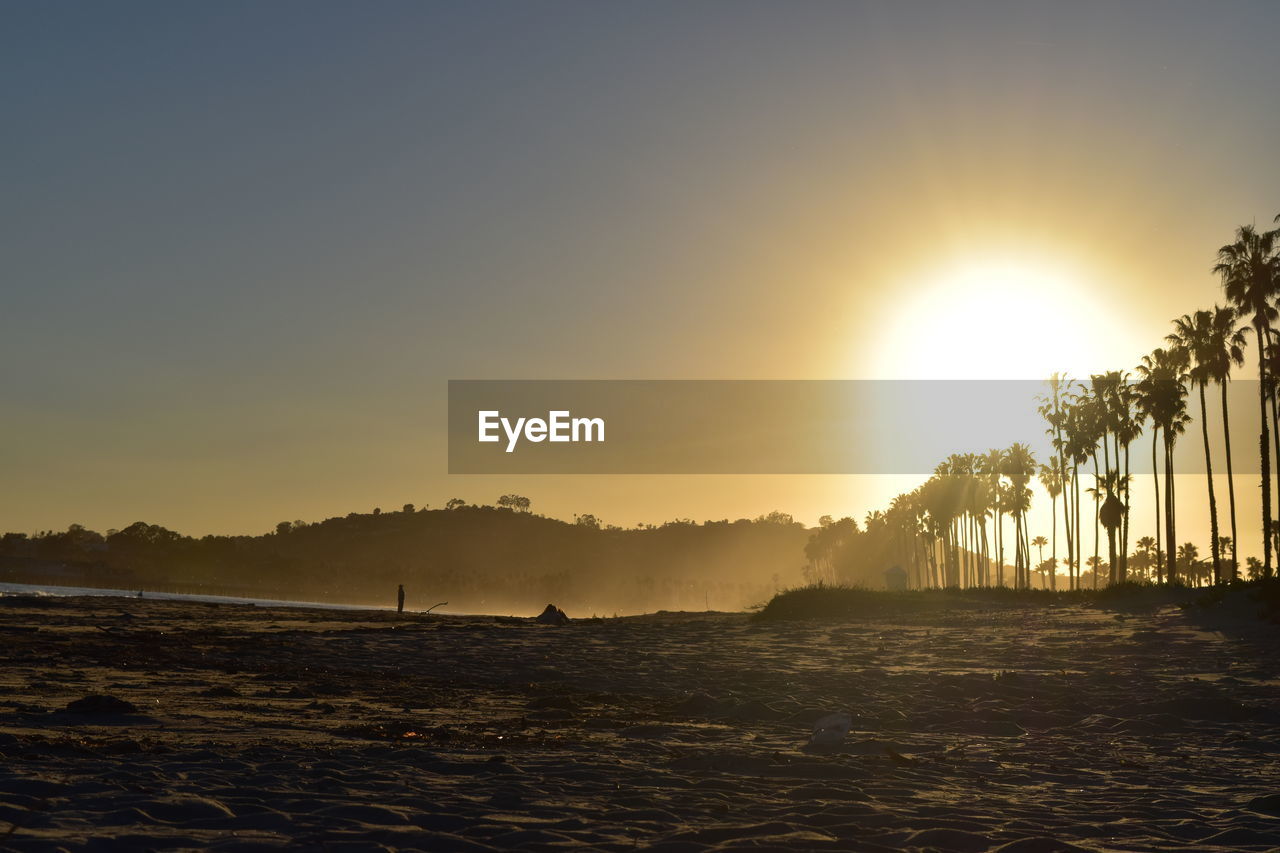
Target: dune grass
[[828, 601]]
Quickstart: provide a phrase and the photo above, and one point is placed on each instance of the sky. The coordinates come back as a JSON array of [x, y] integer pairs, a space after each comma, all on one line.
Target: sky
[[246, 245]]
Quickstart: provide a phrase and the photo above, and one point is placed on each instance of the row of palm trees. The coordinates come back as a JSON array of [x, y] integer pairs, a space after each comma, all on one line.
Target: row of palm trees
[[940, 529]]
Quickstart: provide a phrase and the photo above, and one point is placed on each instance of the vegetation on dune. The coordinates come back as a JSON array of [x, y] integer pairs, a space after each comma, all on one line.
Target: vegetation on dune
[[1259, 598]]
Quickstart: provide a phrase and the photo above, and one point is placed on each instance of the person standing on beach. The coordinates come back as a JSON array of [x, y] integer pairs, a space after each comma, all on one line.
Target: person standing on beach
[[400, 599]]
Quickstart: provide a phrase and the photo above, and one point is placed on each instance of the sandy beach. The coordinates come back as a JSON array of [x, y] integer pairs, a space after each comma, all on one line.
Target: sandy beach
[[985, 728]]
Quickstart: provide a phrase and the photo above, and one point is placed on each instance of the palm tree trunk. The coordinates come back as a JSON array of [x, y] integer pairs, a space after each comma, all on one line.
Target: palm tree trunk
[[1213, 502], [953, 579], [1231, 487], [1066, 502], [915, 561], [1026, 552], [1275, 447], [1000, 547], [1170, 528], [1017, 550], [1097, 498], [986, 555], [988, 566], [1026, 549], [1155, 477], [1053, 548], [973, 547], [1075, 569], [1264, 447], [1124, 529], [1113, 573]]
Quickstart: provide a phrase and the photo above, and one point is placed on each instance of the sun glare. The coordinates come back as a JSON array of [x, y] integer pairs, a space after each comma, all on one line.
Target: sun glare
[[995, 320]]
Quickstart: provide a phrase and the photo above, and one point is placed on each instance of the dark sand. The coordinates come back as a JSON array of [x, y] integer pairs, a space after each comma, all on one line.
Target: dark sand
[[1027, 730]]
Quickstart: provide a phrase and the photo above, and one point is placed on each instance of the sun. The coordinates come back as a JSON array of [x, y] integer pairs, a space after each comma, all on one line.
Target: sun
[[996, 319]]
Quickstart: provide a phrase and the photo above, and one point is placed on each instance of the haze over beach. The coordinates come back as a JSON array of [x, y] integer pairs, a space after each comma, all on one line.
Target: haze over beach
[[682, 427]]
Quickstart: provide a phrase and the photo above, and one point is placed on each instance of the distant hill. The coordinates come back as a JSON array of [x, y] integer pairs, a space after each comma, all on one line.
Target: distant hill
[[477, 558]]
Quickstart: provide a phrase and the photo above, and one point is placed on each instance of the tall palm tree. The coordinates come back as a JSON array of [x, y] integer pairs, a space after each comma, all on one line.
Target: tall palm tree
[[942, 499], [902, 517], [1093, 414], [1080, 442], [1250, 272], [991, 468], [1127, 427], [1054, 410], [1020, 467], [1051, 479], [1193, 338], [1114, 397], [980, 502], [1112, 515], [1163, 393], [1224, 347], [1148, 405]]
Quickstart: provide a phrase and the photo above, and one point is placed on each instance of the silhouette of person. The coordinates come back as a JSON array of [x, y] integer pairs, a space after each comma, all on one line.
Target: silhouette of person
[[400, 599]]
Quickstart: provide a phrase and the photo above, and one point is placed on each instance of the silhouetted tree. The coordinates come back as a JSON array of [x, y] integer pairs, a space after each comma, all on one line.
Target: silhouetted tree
[[1205, 340], [1250, 272]]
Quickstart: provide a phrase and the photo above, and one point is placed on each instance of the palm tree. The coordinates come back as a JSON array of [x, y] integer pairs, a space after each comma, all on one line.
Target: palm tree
[[1227, 544], [1080, 442], [902, 519], [1147, 549], [1054, 410], [1250, 272], [1051, 479], [1148, 409], [1224, 347], [1193, 338], [1020, 467], [1095, 564], [1092, 407], [1112, 516], [942, 499], [1040, 542], [991, 468], [1188, 555], [980, 501], [1163, 393], [1127, 427], [1114, 402]]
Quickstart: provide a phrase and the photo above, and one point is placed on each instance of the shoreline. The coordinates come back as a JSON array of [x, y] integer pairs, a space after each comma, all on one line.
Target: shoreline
[[60, 591]]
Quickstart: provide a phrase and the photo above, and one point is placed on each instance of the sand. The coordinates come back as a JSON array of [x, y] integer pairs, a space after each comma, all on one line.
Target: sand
[[249, 727]]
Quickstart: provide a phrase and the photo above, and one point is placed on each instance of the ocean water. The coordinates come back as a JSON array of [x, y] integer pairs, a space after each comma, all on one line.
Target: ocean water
[[62, 591]]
